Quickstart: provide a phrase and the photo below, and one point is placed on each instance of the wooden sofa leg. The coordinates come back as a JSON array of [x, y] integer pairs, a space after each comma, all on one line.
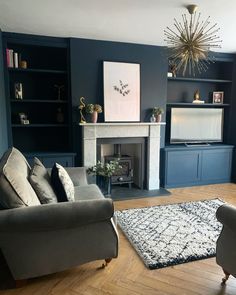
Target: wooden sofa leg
[[20, 283], [225, 278], [107, 260]]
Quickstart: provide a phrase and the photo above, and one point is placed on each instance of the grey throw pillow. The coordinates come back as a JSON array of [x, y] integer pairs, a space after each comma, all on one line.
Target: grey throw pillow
[[62, 184], [15, 189], [41, 183]]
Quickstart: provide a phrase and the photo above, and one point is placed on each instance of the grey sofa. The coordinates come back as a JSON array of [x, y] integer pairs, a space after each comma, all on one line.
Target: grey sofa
[[44, 239], [226, 243]]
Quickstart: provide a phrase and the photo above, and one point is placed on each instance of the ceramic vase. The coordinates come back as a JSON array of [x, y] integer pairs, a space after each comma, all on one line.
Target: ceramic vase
[[158, 118], [94, 117]]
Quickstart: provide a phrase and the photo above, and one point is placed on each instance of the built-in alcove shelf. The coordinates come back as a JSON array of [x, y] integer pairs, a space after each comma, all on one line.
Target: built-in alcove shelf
[[40, 71], [38, 101], [47, 71], [194, 105], [38, 125], [198, 80]]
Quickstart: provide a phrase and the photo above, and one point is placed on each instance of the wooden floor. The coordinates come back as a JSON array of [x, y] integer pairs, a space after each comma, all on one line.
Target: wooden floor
[[128, 275]]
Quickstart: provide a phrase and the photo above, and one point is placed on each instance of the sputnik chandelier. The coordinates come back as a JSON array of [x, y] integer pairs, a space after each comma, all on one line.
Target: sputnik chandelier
[[190, 42]]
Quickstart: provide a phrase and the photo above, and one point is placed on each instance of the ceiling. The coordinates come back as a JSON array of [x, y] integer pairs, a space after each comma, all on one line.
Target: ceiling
[[135, 21]]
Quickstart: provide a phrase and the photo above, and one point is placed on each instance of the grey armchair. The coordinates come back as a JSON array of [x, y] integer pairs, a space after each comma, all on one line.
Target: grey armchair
[[43, 239], [226, 243]]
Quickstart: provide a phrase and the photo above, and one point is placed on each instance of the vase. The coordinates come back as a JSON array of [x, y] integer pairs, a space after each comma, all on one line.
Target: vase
[[104, 183], [94, 117], [158, 118]]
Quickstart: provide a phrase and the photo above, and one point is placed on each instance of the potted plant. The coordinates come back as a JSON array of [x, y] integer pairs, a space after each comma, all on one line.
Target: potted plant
[[103, 172], [157, 112], [94, 110]]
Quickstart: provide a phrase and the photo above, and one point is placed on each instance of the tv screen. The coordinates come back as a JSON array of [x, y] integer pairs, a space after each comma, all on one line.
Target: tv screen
[[193, 125]]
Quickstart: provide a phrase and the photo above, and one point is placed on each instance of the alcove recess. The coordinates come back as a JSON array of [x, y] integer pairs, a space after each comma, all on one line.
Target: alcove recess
[[47, 66]]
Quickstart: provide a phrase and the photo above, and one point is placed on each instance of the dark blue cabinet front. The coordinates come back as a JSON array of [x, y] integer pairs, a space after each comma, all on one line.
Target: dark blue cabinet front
[[216, 165], [49, 159], [184, 166]]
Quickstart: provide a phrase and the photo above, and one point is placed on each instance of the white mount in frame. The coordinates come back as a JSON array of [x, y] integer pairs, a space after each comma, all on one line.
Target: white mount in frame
[[121, 91]]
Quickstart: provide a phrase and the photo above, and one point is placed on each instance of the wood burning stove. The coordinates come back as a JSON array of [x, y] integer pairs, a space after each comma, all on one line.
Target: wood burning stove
[[125, 173]]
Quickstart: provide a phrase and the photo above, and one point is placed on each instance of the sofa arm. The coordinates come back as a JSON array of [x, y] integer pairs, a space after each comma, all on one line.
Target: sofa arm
[[226, 214], [56, 216]]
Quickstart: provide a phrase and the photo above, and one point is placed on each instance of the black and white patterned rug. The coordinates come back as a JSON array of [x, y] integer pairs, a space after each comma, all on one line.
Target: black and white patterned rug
[[172, 234]]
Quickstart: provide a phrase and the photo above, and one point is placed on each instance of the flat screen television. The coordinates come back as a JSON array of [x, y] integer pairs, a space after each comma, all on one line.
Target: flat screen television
[[196, 125]]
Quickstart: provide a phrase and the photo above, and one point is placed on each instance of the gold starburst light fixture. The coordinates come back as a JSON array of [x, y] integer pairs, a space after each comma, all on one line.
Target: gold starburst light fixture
[[191, 41]]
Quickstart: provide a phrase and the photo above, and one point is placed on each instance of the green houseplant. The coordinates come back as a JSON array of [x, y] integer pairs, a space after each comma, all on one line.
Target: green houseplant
[[94, 110], [157, 112], [103, 172]]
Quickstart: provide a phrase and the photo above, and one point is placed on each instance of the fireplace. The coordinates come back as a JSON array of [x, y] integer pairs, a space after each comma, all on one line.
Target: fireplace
[[147, 133], [131, 153]]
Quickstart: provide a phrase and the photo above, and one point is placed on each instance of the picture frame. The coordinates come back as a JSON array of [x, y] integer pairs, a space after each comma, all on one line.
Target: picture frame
[[121, 81], [218, 97]]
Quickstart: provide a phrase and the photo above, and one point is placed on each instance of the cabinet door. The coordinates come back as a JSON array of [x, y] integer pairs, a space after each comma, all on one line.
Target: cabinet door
[[216, 165], [182, 168], [3, 117]]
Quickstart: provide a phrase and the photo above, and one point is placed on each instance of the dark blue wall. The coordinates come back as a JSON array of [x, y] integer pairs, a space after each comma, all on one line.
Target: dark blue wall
[[232, 122], [3, 117], [87, 58]]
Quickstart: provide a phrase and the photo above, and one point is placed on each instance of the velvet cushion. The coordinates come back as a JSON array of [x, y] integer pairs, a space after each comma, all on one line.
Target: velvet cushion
[[15, 189], [41, 183], [62, 184]]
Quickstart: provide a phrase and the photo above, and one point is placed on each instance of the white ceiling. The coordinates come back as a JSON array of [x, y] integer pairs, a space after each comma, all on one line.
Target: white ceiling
[[136, 21]]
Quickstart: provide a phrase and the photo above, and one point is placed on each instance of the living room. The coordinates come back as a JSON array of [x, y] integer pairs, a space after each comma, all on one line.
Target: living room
[[148, 86]]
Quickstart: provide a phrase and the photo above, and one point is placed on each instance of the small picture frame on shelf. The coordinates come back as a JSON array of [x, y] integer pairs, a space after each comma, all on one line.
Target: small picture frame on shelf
[[218, 97], [18, 90]]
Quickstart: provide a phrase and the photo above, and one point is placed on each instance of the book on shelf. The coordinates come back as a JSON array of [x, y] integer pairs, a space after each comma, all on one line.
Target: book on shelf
[[13, 58], [16, 65], [10, 61]]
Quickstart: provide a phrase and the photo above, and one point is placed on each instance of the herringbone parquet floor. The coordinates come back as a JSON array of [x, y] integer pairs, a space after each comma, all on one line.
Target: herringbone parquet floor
[[127, 274]]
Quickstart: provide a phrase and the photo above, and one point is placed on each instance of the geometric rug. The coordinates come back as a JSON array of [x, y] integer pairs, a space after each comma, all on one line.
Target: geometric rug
[[167, 235]]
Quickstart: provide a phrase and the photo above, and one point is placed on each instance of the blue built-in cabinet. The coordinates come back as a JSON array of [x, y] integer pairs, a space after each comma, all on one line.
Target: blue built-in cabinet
[[49, 159], [187, 166]]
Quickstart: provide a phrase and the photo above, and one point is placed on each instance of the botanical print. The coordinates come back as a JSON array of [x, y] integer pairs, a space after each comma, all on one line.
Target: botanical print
[[121, 92], [122, 88]]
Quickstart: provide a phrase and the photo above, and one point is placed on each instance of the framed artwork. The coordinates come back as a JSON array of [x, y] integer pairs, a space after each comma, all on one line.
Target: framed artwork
[[121, 91], [218, 97]]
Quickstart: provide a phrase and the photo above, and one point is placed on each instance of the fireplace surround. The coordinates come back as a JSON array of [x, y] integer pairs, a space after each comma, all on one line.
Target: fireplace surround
[[92, 132]]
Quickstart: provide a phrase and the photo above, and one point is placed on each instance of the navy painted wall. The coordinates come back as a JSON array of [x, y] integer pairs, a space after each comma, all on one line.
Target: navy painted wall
[[87, 58], [232, 123], [3, 117]]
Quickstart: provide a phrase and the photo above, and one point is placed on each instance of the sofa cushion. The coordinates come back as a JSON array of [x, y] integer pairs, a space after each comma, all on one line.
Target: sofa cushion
[[88, 192], [62, 184], [41, 183], [15, 189]]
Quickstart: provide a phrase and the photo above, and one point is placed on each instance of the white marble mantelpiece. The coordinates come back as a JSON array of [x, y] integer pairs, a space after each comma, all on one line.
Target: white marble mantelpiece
[[151, 131]]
